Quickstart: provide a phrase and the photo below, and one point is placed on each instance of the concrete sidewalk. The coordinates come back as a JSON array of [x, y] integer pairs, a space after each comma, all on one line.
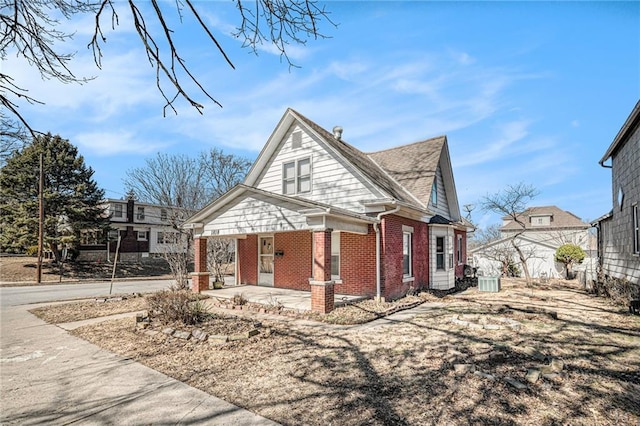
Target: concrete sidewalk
[[292, 299], [48, 376]]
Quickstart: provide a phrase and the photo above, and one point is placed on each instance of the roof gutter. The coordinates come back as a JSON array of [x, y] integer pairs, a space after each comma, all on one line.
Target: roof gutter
[[377, 229]]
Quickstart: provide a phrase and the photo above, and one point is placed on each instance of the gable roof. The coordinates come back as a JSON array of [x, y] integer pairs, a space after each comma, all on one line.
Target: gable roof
[[413, 166], [404, 173], [361, 161], [561, 219], [632, 122]]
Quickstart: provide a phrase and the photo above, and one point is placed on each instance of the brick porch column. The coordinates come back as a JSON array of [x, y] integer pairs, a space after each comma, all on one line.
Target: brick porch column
[[322, 290], [200, 277]]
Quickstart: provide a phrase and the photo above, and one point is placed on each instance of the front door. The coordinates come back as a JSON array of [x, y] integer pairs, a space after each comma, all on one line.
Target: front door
[[265, 261]]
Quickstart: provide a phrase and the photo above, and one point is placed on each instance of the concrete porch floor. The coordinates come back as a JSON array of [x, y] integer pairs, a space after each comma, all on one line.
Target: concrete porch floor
[[292, 299]]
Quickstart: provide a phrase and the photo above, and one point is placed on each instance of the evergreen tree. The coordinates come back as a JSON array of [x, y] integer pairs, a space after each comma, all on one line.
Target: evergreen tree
[[71, 197]]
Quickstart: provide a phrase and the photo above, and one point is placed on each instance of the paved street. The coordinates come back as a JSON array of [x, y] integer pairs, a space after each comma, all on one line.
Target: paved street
[[48, 376], [13, 296]]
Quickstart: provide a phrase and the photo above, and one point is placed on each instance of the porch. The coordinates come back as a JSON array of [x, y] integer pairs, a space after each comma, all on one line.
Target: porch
[[290, 299]]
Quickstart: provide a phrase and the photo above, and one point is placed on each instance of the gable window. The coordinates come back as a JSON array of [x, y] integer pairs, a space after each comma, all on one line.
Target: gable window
[[296, 176], [140, 215], [407, 248], [434, 191], [636, 230], [163, 214], [335, 255], [459, 250], [440, 253], [117, 210], [143, 235]]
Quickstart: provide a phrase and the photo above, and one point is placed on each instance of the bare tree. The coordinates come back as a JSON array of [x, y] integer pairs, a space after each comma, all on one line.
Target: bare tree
[[185, 184], [511, 202], [30, 29], [488, 240]]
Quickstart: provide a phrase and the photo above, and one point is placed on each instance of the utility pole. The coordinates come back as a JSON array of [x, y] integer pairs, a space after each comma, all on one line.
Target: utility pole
[[40, 221]]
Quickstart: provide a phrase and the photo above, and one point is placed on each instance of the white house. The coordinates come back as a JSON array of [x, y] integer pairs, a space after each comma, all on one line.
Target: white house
[[545, 229]]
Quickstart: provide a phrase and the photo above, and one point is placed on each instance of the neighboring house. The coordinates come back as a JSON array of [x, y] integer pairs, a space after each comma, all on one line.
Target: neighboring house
[[316, 214], [619, 230], [545, 229], [145, 231]]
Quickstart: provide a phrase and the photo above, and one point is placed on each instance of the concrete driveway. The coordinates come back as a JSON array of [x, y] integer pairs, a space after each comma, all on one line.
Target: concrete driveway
[[48, 376]]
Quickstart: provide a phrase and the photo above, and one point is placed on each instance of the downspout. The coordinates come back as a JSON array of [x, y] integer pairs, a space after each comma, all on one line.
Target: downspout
[[377, 229]]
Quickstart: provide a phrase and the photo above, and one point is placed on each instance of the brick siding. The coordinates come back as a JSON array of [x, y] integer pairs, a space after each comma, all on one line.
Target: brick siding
[[247, 258], [293, 269]]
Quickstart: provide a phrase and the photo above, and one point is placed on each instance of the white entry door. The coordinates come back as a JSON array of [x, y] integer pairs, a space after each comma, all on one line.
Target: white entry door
[[265, 261]]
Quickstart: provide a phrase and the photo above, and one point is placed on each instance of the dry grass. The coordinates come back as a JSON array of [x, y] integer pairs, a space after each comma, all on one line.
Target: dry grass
[[401, 372], [78, 311]]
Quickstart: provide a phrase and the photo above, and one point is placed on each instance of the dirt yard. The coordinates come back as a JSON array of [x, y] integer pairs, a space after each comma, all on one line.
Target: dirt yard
[[22, 270], [539, 355]]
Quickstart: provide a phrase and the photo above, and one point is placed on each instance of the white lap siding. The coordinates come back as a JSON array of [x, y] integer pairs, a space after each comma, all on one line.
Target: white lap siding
[[332, 181]]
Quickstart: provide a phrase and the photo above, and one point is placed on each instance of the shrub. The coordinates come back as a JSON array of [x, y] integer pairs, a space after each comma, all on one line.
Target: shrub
[[238, 299], [32, 251], [568, 254], [169, 306]]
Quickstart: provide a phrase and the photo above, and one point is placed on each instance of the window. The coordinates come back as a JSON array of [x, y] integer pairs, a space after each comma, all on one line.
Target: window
[[304, 175], [407, 269], [296, 176], [459, 250], [335, 255], [434, 191], [636, 230], [140, 215], [160, 238], [143, 235], [163, 215], [117, 210], [440, 253]]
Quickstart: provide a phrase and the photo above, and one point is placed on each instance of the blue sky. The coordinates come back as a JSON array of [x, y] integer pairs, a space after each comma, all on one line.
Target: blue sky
[[528, 92]]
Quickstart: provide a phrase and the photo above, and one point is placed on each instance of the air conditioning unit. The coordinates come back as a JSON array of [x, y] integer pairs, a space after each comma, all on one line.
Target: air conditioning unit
[[489, 284]]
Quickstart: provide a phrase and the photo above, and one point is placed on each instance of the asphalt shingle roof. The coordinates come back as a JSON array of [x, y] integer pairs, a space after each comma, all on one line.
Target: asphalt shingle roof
[[561, 219], [405, 172]]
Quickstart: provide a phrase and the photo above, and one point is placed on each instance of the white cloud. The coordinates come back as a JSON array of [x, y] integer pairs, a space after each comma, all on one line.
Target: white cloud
[[115, 143]]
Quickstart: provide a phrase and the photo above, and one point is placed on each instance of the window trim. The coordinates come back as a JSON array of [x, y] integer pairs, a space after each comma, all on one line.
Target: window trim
[[117, 210], [635, 226], [335, 236], [434, 191], [145, 238], [407, 243], [164, 215], [297, 177], [442, 253], [459, 249], [140, 213]]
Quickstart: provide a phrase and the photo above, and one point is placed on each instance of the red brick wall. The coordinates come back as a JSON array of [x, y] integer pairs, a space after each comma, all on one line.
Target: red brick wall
[[322, 298], [392, 282], [247, 258], [357, 264], [293, 270], [460, 268]]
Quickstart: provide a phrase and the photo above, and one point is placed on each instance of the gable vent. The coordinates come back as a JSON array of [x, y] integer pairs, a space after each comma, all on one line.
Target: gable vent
[[296, 140]]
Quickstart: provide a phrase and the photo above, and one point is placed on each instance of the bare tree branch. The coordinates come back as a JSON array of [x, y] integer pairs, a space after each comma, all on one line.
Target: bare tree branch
[[29, 29]]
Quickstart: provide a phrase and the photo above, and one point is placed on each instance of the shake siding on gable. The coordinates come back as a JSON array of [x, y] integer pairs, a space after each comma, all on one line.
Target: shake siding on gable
[[442, 207], [331, 182]]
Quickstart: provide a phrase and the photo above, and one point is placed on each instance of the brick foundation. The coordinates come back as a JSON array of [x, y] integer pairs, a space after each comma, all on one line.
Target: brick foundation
[[322, 296]]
